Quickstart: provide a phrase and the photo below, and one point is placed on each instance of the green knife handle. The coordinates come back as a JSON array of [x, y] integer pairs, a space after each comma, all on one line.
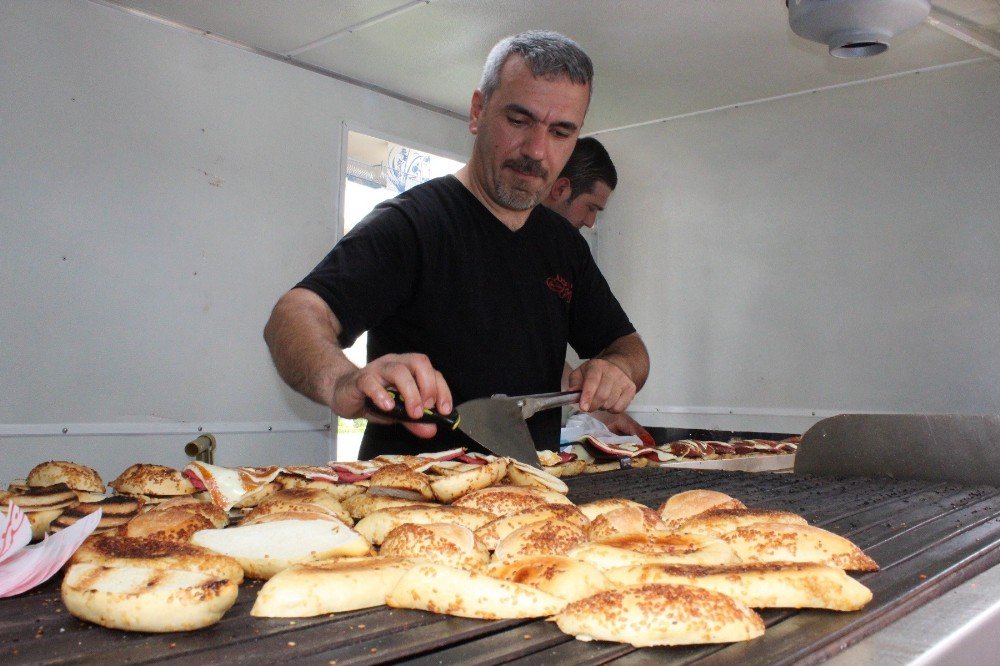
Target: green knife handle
[[398, 411]]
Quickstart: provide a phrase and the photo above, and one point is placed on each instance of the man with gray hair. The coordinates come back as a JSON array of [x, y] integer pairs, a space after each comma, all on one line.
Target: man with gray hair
[[466, 286]]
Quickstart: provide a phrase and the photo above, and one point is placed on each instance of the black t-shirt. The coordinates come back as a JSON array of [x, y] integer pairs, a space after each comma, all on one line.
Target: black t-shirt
[[433, 271]]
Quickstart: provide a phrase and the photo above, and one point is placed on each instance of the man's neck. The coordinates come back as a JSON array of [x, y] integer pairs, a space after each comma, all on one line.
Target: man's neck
[[512, 219]]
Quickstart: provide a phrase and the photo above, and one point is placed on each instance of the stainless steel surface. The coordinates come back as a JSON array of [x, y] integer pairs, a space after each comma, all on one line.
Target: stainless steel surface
[[961, 626], [532, 404], [964, 448]]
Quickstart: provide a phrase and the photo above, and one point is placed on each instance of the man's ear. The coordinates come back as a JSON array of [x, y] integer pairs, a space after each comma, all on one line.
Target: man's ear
[[475, 110], [561, 190]]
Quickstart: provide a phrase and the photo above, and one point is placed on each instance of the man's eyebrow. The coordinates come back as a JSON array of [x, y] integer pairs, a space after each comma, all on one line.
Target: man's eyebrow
[[517, 108]]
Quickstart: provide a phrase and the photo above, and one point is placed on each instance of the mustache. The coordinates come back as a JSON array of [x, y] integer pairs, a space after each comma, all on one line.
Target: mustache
[[528, 166]]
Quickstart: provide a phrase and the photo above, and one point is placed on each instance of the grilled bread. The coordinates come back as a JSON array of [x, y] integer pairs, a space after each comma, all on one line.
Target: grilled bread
[[626, 520], [400, 481], [116, 551], [557, 575], [593, 509], [115, 512], [682, 506], [608, 556], [544, 537], [191, 504], [775, 542], [264, 549], [363, 504], [771, 585], [441, 589], [175, 524], [721, 521], [375, 526], [334, 586], [648, 615], [492, 532], [505, 500], [76, 476], [145, 599], [302, 499], [445, 543], [522, 474], [451, 488]]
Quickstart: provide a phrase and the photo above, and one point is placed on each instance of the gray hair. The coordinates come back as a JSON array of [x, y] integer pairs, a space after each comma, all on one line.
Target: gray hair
[[546, 53]]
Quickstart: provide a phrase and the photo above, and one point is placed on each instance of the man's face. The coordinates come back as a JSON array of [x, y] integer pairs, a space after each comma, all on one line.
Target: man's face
[[582, 210], [525, 133]]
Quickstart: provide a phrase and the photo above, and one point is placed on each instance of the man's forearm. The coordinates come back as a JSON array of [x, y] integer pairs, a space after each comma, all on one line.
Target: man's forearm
[[302, 337], [629, 353]]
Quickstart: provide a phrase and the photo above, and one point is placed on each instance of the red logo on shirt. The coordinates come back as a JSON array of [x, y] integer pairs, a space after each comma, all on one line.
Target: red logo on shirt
[[561, 286]]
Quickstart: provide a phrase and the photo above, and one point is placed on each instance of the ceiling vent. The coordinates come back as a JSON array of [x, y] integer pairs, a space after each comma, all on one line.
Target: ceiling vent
[[855, 28]]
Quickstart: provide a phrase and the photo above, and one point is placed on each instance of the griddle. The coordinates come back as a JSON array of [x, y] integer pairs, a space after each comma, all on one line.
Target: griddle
[[928, 537]]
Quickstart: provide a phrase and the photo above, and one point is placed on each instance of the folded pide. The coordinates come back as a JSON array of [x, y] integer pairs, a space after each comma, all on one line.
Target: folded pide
[[648, 615], [544, 537], [375, 526], [505, 500], [720, 521], [775, 542], [191, 504], [557, 575], [116, 551], [444, 543], [264, 549], [145, 599], [400, 481], [626, 520], [174, 524], [689, 503], [334, 586], [441, 589], [522, 474], [492, 532], [770, 585]]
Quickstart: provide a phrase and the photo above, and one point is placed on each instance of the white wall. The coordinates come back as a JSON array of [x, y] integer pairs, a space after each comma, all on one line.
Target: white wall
[[158, 192], [836, 251]]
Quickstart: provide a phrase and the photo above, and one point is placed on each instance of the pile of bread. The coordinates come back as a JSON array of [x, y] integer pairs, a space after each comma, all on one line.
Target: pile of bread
[[490, 541]]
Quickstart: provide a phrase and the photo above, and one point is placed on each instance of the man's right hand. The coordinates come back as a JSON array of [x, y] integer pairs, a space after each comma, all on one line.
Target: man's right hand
[[419, 385]]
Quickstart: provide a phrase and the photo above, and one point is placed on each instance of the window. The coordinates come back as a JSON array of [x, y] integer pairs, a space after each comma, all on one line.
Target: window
[[378, 170]]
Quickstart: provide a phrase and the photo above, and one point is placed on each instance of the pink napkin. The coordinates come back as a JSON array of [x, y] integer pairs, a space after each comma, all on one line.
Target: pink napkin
[[23, 567]]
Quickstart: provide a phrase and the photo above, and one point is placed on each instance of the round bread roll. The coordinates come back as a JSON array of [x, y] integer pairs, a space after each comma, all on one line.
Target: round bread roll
[[441, 589], [76, 476], [45, 498], [451, 488], [174, 524], [682, 506], [264, 549], [115, 512], [626, 520], [648, 615], [361, 505], [145, 599], [557, 575], [505, 500], [494, 531], [445, 543], [545, 537], [400, 481], [594, 509], [334, 586], [115, 551], [302, 499], [41, 522], [152, 480], [720, 521], [375, 526]]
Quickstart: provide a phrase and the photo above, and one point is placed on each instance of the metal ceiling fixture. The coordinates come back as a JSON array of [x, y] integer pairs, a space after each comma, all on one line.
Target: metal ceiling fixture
[[855, 28]]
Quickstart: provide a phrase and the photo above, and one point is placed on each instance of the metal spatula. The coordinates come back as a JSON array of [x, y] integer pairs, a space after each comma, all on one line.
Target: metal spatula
[[496, 423]]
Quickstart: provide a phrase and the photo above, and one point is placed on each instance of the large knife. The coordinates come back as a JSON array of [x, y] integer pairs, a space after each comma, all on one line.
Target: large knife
[[497, 423]]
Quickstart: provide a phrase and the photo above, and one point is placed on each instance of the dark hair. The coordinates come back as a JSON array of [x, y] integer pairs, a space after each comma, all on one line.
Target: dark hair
[[546, 53], [588, 164]]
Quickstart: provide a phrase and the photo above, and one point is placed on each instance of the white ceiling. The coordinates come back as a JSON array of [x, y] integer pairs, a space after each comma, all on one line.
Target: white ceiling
[[655, 59]]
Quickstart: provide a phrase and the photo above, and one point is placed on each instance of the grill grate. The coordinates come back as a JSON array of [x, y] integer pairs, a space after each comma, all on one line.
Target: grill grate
[[928, 537]]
